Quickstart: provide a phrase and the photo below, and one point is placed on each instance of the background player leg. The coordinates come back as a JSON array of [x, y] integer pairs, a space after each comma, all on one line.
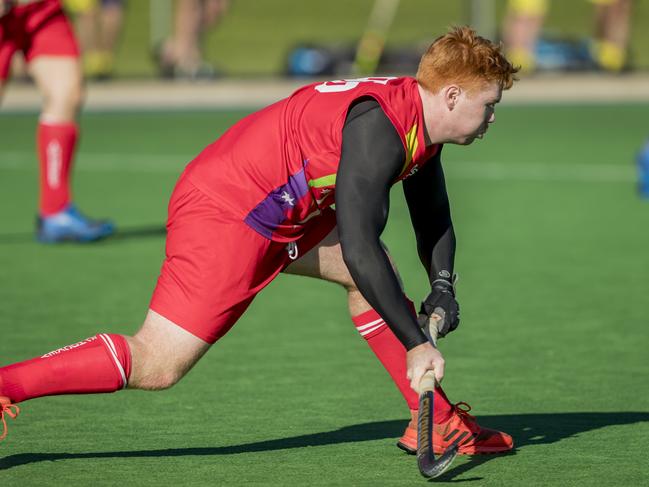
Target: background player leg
[[60, 83], [612, 29]]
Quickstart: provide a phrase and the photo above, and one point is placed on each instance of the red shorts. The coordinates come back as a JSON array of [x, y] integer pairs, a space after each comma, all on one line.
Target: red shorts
[[36, 29], [215, 264]]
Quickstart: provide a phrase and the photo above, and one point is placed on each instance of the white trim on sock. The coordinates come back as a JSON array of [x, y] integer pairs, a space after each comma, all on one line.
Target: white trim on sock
[[53, 164], [370, 330], [370, 324], [113, 351]]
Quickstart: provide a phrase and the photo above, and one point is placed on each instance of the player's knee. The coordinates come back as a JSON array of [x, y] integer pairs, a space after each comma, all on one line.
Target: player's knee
[[62, 101], [157, 376], [349, 285], [70, 99], [165, 379], [163, 353], [153, 369], [340, 275], [337, 271], [74, 97]]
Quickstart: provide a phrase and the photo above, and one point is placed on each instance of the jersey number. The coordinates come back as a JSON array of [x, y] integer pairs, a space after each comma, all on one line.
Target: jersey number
[[349, 84]]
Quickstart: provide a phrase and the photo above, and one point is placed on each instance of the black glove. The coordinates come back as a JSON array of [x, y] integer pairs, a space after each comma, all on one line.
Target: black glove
[[440, 301]]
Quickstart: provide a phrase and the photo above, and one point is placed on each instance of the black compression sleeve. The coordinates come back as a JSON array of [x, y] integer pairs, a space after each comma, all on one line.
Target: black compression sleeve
[[372, 157], [430, 213]]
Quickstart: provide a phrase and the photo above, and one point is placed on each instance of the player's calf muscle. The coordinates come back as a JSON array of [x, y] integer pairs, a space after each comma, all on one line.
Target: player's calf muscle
[[162, 353], [149, 372], [155, 368]]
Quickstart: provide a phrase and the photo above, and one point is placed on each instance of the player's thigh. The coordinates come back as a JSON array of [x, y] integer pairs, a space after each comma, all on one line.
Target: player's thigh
[[5, 63], [163, 352], [215, 265], [52, 55], [60, 81], [325, 261]]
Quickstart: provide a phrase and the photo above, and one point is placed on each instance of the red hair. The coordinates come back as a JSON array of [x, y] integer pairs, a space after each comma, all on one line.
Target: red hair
[[463, 57]]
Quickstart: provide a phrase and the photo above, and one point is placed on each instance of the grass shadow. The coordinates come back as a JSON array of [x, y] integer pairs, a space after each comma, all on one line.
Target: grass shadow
[[526, 429], [539, 429], [123, 233], [133, 233], [348, 434]]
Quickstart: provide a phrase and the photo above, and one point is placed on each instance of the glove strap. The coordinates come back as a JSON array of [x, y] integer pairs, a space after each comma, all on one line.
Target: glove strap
[[443, 285], [450, 282]]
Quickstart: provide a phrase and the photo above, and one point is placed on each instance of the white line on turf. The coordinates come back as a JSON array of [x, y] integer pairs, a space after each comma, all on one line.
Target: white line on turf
[[529, 171], [103, 162], [538, 171]]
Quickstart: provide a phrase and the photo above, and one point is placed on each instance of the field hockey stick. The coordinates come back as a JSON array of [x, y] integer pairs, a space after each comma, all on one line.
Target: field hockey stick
[[430, 467]]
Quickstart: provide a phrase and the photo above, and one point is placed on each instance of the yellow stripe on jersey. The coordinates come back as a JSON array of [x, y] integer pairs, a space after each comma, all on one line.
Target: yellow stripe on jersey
[[412, 144]]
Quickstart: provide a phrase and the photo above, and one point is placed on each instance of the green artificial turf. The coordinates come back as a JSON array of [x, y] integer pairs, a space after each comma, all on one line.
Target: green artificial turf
[[553, 253]]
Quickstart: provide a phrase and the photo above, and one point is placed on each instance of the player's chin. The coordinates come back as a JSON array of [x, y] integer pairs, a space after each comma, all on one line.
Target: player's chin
[[480, 135], [469, 140]]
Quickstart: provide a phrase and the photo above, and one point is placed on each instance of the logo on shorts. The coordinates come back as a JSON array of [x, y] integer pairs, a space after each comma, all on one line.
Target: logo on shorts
[[291, 248]]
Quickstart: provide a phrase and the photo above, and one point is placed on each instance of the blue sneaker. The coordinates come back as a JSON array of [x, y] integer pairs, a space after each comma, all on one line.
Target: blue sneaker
[[69, 225]]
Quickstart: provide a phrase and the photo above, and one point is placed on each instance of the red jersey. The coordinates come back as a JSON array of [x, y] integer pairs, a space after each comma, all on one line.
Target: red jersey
[[38, 10], [276, 168]]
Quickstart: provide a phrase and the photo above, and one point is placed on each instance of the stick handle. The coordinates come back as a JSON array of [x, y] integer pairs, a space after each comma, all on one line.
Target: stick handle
[[427, 383], [433, 331]]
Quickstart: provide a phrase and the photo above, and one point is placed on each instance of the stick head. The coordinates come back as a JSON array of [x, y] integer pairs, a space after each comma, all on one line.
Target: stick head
[[430, 467]]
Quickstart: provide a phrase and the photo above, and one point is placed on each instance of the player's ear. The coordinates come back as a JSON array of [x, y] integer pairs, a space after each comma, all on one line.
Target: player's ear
[[451, 96]]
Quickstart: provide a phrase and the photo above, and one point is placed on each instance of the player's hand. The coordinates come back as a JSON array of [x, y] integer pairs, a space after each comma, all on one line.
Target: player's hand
[[422, 358], [441, 309]]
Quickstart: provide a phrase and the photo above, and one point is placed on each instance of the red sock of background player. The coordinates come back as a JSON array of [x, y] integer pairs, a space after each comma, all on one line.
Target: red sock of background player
[[56, 144], [392, 354], [99, 364]]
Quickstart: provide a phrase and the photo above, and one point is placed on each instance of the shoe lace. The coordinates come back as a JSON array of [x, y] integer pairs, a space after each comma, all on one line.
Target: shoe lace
[[10, 410], [462, 410]]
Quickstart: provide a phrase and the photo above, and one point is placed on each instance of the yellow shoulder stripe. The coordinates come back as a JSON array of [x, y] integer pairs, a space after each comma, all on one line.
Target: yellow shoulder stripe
[[412, 144]]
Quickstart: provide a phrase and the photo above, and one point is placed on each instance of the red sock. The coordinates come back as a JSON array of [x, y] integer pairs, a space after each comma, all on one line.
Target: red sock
[[56, 143], [99, 364], [392, 354]]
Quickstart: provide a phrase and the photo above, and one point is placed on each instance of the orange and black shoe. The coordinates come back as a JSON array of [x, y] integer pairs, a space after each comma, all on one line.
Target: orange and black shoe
[[461, 428], [11, 410]]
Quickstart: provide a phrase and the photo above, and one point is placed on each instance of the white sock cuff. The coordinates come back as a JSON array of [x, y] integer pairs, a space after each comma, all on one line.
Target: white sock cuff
[[367, 328], [113, 353]]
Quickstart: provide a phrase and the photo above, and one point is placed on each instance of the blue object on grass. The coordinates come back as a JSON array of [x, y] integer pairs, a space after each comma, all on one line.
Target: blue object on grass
[[70, 225], [643, 171]]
